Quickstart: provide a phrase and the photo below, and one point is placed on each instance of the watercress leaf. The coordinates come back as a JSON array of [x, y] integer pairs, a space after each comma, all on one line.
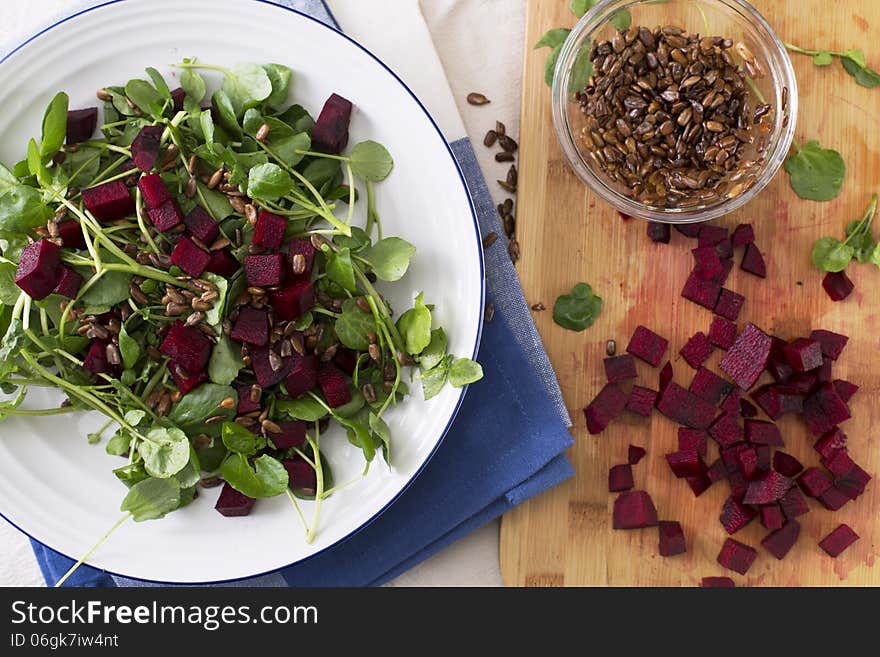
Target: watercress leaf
[[267, 478], [268, 182], [226, 114], [550, 65], [279, 77], [119, 443], [54, 126], [134, 416], [129, 348], [305, 408], [132, 474], [193, 84], [415, 327], [321, 170], [165, 452], [553, 38], [246, 85], [875, 255], [305, 321], [339, 269], [151, 499], [389, 258], [359, 435], [251, 121], [863, 245], [226, 362], [464, 371], [207, 124], [861, 73], [214, 316], [357, 241], [145, 97], [9, 291], [578, 309], [113, 288], [201, 403], [381, 431], [433, 354], [434, 380], [351, 408], [581, 71], [353, 326], [857, 57], [371, 161], [216, 203], [285, 148], [190, 474], [831, 255], [622, 19], [36, 166], [21, 206], [816, 173], [297, 118], [241, 441], [84, 163], [10, 347], [159, 83], [823, 58]]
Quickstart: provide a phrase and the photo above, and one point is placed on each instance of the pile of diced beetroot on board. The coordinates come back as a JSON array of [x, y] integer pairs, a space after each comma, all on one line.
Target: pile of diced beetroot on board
[[766, 483]]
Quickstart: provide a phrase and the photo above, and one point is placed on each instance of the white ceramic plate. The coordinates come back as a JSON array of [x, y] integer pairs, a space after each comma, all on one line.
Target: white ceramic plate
[[58, 488]]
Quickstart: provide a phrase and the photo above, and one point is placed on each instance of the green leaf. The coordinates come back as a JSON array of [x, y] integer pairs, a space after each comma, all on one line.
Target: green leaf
[[132, 474], [214, 316], [356, 242], [145, 97], [129, 348], [434, 380], [353, 325], [621, 20], [415, 327], [159, 83], [577, 310], [135, 416], [113, 288], [240, 440], [831, 255], [152, 499], [207, 124], [201, 403], [54, 126], [214, 202], [553, 38], [339, 269], [464, 371], [119, 444], [225, 113], [193, 84], [286, 147], [433, 354], [279, 77], [580, 7], [862, 241], [21, 207], [190, 474], [246, 85], [581, 71], [382, 432], [297, 118], [815, 173], [857, 57], [84, 162], [9, 291], [165, 452], [10, 347], [269, 478], [550, 66], [389, 258], [823, 58], [226, 362], [268, 182], [306, 408], [875, 255], [305, 321], [371, 161], [36, 166], [863, 74], [359, 435]]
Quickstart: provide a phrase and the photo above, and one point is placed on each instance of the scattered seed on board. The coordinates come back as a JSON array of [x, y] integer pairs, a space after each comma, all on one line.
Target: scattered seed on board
[[504, 156], [506, 186], [475, 98], [507, 143], [538, 307], [509, 225], [489, 240], [611, 347], [512, 175], [500, 129], [489, 312], [513, 249], [490, 138]]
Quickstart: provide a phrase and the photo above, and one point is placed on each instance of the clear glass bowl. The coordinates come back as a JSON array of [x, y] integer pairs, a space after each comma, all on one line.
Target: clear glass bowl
[[733, 19]]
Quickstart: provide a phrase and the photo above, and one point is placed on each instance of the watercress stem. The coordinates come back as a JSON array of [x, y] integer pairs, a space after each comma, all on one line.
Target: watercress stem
[[91, 550]]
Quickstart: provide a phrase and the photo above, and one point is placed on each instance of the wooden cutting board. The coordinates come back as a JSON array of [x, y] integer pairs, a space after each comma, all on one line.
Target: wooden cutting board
[[564, 537]]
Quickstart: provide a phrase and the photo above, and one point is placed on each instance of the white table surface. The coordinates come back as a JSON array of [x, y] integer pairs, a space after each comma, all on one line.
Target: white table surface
[[479, 43]]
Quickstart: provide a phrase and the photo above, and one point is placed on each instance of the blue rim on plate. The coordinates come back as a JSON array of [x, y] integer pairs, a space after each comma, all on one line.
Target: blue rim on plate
[[482, 292]]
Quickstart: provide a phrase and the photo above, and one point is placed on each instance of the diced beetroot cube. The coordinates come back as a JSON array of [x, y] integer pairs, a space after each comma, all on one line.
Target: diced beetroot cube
[[269, 230], [39, 269], [837, 285], [727, 267], [145, 147], [686, 463], [850, 486], [725, 250], [737, 556], [232, 503], [264, 270], [712, 235], [697, 350], [732, 403], [223, 263], [620, 368], [845, 389], [707, 264], [154, 190], [839, 463], [293, 434], [823, 372], [346, 360], [306, 250], [177, 97], [81, 124], [634, 510], [659, 232], [803, 354], [772, 516], [838, 540], [699, 484], [832, 343], [709, 386], [620, 478], [109, 201], [830, 443], [671, 539], [753, 262], [743, 235], [689, 230], [303, 375], [69, 283], [738, 485], [666, 375], [166, 216], [685, 407], [301, 476], [641, 401], [635, 454], [814, 481], [729, 304], [763, 433], [245, 404], [189, 257], [692, 439], [786, 464], [833, 499], [777, 365], [252, 326], [96, 358], [71, 235], [824, 410], [701, 292], [735, 516], [607, 405], [779, 542], [647, 345], [201, 225], [717, 583], [767, 397], [726, 430], [856, 477], [717, 471], [187, 346], [748, 356], [793, 503], [333, 385], [730, 456], [764, 460], [330, 132], [722, 332], [767, 489], [748, 463], [265, 374], [184, 380], [789, 399]]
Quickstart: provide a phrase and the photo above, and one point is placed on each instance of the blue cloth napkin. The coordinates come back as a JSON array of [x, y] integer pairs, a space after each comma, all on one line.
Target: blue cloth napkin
[[505, 446]]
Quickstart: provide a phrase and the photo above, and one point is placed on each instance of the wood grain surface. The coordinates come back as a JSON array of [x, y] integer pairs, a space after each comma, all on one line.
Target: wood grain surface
[[567, 235]]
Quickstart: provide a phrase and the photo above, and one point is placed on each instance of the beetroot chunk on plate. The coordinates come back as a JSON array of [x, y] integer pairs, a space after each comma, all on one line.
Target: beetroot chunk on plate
[[303, 375], [635, 454], [824, 410], [145, 147], [707, 264], [772, 516], [231, 503], [717, 583], [837, 285], [671, 538], [292, 434], [252, 327], [333, 385], [647, 345], [39, 269], [832, 343], [292, 300], [786, 464], [743, 235], [685, 407], [177, 97], [722, 332], [641, 401], [659, 232], [109, 201], [767, 489], [686, 463], [735, 516], [81, 124], [71, 235], [726, 430], [154, 190], [184, 380], [697, 350], [301, 475], [264, 270], [763, 433], [634, 510], [737, 556], [709, 386], [245, 403], [838, 540], [187, 346], [266, 374], [729, 304], [793, 503], [747, 358], [201, 225], [306, 250], [96, 358], [803, 354], [222, 263], [845, 389], [69, 283], [269, 230], [189, 257], [620, 368], [166, 216], [701, 292], [779, 542], [330, 132], [606, 406], [620, 478], [693, 439], [814, 481], [753, 262]]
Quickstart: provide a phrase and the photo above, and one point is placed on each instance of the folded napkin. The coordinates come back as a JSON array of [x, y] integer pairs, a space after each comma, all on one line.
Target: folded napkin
[[505, 446]]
